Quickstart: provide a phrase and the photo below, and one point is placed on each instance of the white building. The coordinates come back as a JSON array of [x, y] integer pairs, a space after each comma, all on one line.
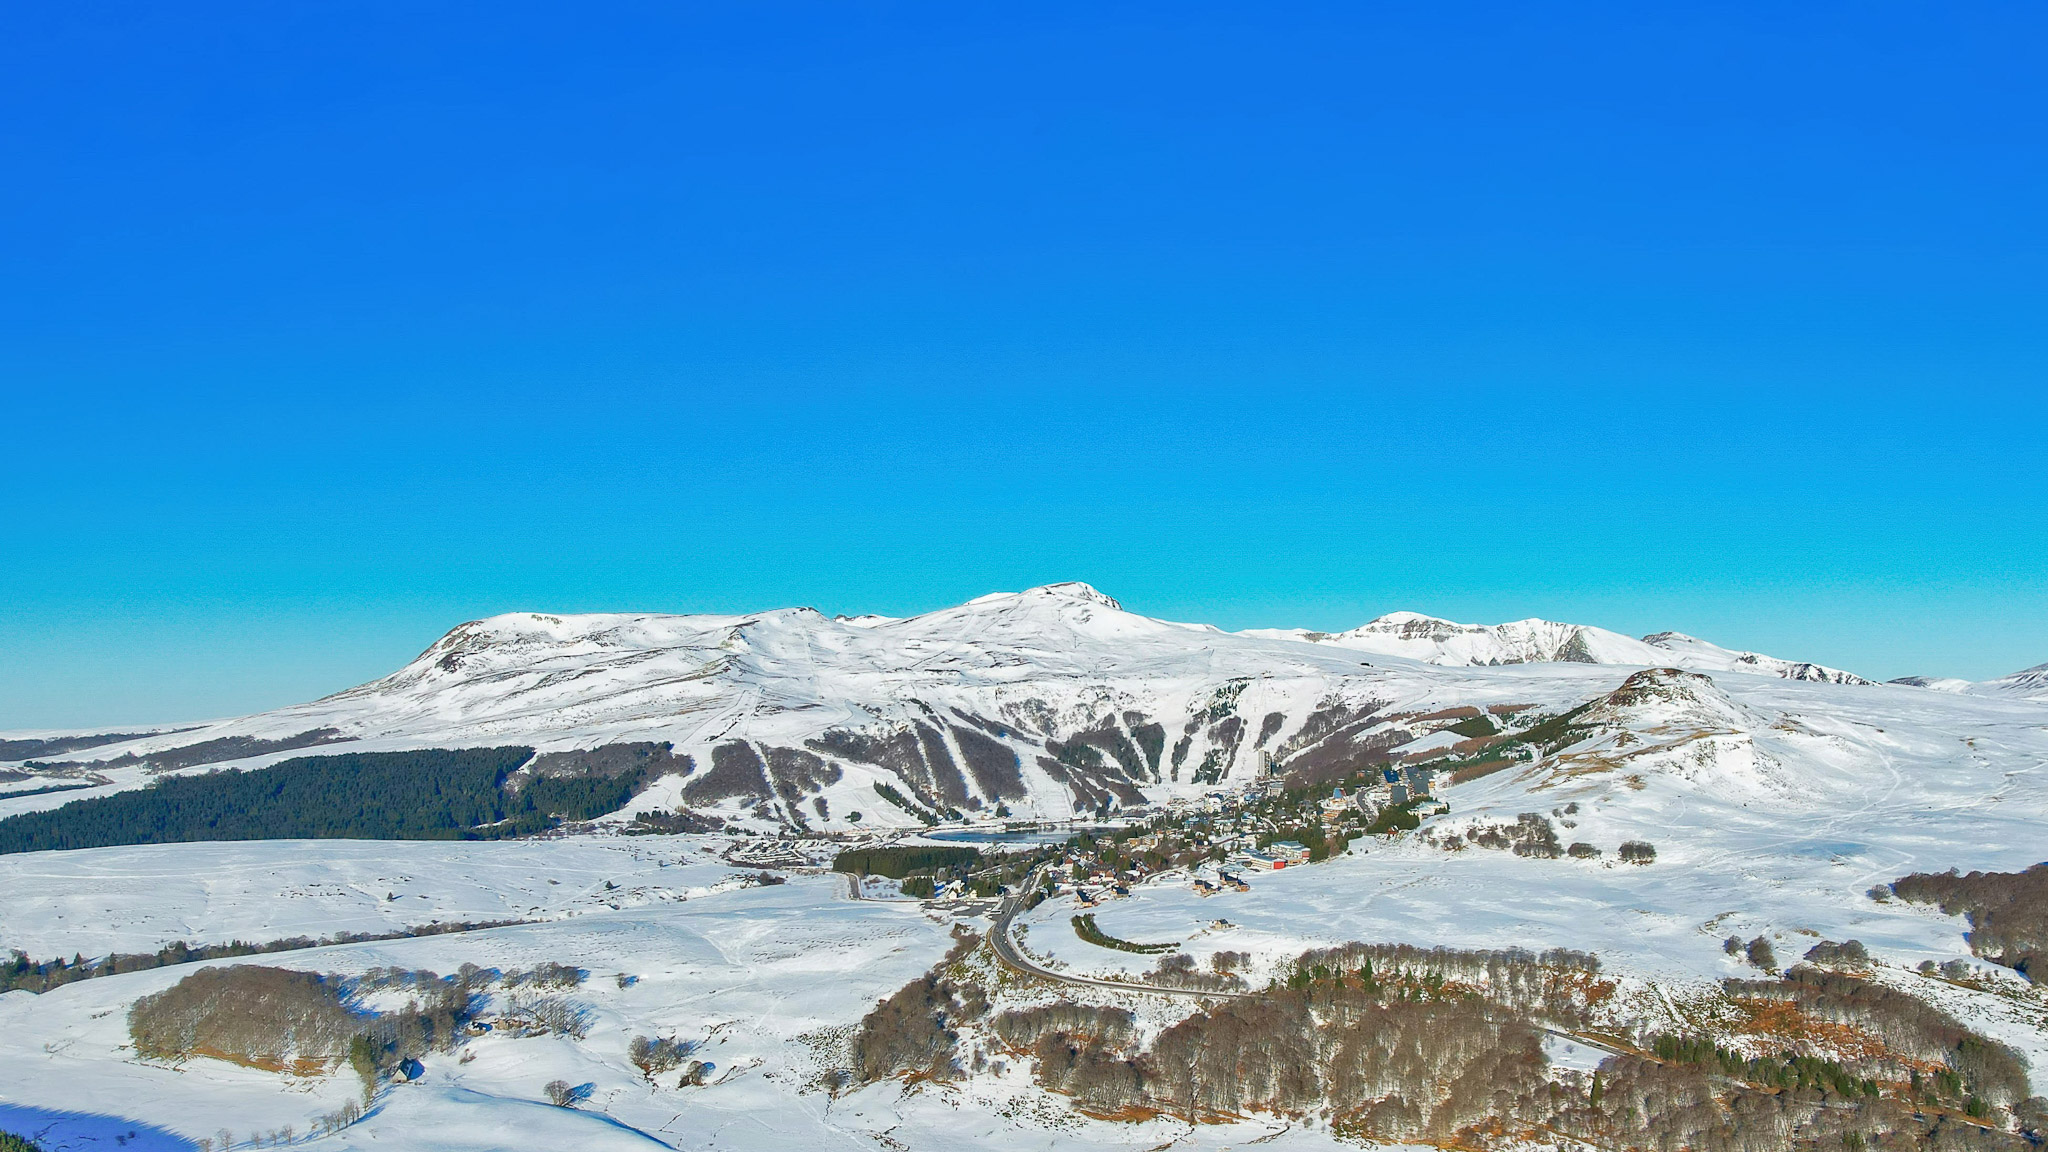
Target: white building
[[1261, 861]]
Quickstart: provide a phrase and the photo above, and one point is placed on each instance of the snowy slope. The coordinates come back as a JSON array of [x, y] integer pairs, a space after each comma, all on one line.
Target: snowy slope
[[1433, 641], [2030, 684], [959, 708], [1773, 806], [1044, 703], [1934, 683], [2026, 684], [1692, 652]]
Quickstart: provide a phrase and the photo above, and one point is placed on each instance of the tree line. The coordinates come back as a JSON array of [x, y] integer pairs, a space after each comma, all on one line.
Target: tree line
[[905, 860], [425, 794], [20, 972]]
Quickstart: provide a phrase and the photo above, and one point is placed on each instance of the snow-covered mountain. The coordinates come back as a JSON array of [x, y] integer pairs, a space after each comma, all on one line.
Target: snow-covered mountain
[[1692, 652], [2027, 684], [1934, 683], [1040, 703], [1433, 641]]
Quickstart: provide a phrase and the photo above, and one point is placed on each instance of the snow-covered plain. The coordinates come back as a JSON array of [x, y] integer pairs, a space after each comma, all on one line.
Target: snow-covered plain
[[1775, 799], [137, 899], [766, 981]]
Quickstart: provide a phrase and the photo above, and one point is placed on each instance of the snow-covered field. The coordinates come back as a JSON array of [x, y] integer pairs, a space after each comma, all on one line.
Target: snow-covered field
[[766, 981], [742, 972], [138, 899]]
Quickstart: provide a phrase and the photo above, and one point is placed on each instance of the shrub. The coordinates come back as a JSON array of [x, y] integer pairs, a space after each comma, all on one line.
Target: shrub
[[1761, 954], [268, 1017], [546, 974], [1178, 971], [1848, 954], [1583, 851], [1085, 928], [281, 1019], [1536, 836], [914, 1031], [9, 1142], [655, 1056], [1638, 852], [547, 1015], [2008, 912], [1395, 818]]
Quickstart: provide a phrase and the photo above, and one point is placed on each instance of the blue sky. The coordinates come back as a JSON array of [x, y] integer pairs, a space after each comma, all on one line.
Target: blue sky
[[324, 327]]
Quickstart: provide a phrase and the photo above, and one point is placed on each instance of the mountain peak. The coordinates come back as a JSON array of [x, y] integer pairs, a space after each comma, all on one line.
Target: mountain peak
[[1074, 590]]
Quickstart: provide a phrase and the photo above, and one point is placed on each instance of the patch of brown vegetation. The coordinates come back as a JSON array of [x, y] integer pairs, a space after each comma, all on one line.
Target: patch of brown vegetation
[[1784, 1020], [300, 1066], [1475, 771]]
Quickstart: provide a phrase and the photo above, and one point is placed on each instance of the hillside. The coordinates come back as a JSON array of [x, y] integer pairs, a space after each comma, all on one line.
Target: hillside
[[1042, 704]]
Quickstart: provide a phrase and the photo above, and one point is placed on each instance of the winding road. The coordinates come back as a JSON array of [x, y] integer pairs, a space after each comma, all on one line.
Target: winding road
[[1011, 956]]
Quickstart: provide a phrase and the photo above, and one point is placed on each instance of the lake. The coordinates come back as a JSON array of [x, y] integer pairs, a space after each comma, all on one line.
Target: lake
[[1022, 839]]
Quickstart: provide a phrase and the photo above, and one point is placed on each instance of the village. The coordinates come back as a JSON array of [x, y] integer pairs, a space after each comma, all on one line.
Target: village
[[1219, 842], [1225, 838]]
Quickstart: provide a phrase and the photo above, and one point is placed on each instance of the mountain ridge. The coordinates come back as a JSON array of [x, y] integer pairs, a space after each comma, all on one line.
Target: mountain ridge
[[1043, 703]]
